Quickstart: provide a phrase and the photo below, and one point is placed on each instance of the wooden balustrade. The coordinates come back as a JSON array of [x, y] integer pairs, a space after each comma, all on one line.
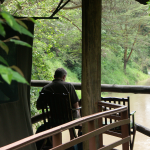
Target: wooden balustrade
[[56, 131], [104, 88]]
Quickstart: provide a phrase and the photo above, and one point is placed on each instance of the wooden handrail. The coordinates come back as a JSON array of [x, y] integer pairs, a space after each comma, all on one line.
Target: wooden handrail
[[56, 130], [41, 83], [93, 133], [111, 105], [104, 87], [39, 117]]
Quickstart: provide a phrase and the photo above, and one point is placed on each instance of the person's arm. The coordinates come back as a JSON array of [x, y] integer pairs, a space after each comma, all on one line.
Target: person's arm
[[76, 105], [74, 99]]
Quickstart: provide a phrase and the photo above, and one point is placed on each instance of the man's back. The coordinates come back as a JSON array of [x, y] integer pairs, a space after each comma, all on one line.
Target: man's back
[[59, 86]]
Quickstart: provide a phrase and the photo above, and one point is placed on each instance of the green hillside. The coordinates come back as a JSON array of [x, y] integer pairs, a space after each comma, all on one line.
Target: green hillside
[[112, 71]]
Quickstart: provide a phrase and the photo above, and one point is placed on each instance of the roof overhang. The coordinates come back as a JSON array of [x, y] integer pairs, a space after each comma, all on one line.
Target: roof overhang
[[142, 1], [1, 1]]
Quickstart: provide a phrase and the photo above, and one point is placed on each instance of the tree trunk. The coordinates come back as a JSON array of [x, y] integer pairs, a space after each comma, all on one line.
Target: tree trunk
[[91, 58], [125, 65], [125, 48]]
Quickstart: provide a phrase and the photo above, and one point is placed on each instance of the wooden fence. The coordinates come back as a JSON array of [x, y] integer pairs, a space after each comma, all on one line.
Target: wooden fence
[[56, 132], [105, 88]]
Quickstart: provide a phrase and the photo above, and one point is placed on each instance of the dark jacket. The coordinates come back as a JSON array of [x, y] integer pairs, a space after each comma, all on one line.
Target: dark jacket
[[59, 86]]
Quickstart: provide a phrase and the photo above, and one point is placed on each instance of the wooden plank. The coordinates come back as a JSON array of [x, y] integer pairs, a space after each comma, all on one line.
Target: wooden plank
[[114, 117], [142, 129], [92, 142], [39, 117], [91, 134], [116, 144], [118, 99], [125, 130], [41, 83], [57, 139], [104, 87], [100, 121], [106, 104], [113, 133]]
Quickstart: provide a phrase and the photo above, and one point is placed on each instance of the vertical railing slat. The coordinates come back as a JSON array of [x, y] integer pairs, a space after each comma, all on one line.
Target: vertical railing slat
[[57, 139], [100, 121], [124, 129], [92, 142]]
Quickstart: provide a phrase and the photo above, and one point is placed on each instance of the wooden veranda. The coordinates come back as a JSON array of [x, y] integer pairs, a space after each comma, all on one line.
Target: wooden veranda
[[91, 94], [90, 135]]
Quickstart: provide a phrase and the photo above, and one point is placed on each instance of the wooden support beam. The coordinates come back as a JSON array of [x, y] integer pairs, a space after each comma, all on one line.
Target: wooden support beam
[[125, 88], [100, 122], [41, 83], [92, 142], [142, 129], [1, 1], [91, 58], [125, 131]]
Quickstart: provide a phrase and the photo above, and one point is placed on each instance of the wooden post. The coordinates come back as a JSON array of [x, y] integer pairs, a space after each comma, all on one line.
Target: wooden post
[[57, 139], [92, 142], [100, 122], [125, 130], [91, 58]]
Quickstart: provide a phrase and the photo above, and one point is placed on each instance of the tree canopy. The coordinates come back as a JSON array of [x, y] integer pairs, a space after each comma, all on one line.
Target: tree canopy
[[125, 41]]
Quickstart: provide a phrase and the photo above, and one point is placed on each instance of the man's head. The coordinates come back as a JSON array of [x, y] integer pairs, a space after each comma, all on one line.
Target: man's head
[[60, 73]]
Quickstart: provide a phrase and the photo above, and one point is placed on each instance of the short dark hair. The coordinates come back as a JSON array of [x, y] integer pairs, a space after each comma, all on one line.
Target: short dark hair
[[60, 72]]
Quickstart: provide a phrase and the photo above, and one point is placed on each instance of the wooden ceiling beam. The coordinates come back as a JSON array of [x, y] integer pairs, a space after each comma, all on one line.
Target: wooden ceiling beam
[[1, 1]]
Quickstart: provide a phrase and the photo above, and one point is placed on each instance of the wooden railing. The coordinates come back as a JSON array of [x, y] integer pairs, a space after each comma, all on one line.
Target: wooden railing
[[56, 131], [104, 87]]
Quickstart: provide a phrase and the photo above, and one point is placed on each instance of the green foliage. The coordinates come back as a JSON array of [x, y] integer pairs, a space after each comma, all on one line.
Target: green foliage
[[112, 72], [13, 24], [20, 42], [8, 75], [3, 61], [6, 72], [57, 43], [145, 70], [126, 25], [4, 47]]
